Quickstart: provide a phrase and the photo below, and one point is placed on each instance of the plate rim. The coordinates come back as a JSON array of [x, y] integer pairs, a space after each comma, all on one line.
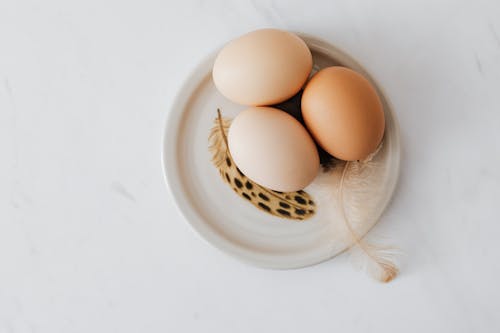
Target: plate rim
[[170, 170]]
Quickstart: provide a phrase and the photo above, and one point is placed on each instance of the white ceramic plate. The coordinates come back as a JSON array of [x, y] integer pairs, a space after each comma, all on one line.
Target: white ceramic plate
[[229, 222]]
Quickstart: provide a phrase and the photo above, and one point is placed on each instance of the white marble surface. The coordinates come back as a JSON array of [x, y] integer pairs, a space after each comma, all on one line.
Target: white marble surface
[[90, 240]]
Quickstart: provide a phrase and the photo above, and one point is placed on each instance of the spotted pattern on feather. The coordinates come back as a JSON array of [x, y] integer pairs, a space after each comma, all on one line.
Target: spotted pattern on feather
[[292, 205]]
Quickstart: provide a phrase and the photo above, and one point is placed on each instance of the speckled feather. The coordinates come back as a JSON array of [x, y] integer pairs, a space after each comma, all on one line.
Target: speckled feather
[[292, 205]]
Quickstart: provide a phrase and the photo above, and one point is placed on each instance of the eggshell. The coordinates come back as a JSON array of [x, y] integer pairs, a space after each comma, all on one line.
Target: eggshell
[[262, 67], [343, 113], [273, 149]]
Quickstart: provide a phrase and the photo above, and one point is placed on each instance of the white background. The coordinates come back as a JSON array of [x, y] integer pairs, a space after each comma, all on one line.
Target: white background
[[91, 241]]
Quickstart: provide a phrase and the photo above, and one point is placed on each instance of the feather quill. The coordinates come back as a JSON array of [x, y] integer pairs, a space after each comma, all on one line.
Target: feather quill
[[376, 260]]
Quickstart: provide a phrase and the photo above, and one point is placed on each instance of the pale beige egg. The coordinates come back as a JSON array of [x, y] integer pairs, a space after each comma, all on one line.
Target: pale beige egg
[[262, 67], [273, 149], [343, 113]]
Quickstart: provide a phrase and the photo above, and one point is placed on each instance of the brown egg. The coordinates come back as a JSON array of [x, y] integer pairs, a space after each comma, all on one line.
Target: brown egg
[[273, 149], [262, 67], [343, 113]]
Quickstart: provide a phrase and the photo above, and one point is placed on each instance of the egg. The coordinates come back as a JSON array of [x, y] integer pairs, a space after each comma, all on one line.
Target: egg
[[343, 113], [273, 149], [262, 67]]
